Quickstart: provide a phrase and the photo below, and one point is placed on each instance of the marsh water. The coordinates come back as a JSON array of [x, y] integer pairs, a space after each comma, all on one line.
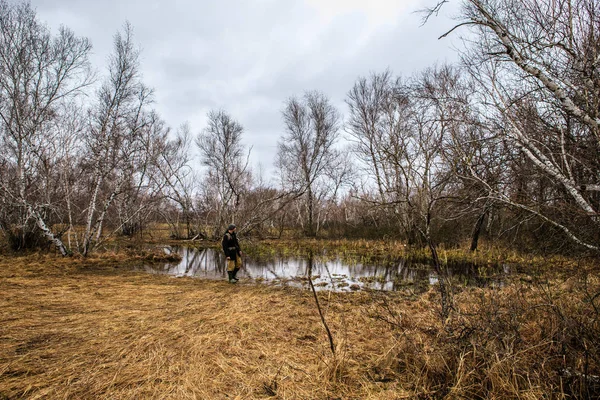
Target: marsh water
[[327, 273]]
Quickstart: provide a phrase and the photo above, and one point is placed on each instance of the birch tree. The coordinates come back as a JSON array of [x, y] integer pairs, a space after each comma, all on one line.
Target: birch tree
[[538, 65], [117, 122], [39, 72]]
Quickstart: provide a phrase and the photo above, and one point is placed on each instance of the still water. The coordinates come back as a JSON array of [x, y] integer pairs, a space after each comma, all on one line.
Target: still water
[[327, 274]]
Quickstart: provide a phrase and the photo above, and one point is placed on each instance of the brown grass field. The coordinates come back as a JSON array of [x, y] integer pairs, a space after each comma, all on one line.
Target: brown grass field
[[95, 329]]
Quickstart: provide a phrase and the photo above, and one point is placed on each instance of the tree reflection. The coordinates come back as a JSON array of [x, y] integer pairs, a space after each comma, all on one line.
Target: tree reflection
[[328, 274]]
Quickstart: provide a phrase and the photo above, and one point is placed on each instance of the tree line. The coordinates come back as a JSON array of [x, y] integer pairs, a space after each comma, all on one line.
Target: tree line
[[504, 144]]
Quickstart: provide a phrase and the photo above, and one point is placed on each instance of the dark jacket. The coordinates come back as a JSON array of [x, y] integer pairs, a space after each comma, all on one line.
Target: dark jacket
[[231, 246]]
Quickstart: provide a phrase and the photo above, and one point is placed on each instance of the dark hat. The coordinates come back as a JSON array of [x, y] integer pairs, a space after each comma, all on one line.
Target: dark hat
[[231, 227]]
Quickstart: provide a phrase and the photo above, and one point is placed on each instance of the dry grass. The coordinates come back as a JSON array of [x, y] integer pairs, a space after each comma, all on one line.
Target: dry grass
[[85, 329], [93, 329]]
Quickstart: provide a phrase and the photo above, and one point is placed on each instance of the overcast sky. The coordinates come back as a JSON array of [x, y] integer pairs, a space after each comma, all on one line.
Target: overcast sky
[[248, 57]]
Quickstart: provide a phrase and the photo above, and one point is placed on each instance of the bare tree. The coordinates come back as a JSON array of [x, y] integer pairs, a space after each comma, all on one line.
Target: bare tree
[[70, 126], [339, 177], [306, 151], [537, 65], [228, 177], [143, 189], [38, 73], [371, 103], [400, 129], [382, 129], [114, 140], [173, 163]]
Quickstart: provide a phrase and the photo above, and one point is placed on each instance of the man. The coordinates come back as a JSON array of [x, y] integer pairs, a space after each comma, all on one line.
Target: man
[[231, 248]]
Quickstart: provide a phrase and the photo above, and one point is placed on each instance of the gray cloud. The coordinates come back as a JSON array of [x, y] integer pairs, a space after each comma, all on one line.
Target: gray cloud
[[248, 57]]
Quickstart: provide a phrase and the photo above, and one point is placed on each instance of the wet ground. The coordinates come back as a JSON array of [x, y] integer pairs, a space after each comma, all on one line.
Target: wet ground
[[327, 273]]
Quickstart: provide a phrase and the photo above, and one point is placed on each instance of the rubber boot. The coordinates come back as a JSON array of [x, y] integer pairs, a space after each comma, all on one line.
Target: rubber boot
[[235, 271], [231, 278]]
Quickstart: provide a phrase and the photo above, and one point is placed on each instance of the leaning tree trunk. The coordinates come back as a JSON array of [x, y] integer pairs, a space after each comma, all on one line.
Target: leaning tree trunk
[[48, 233], [477, 229]]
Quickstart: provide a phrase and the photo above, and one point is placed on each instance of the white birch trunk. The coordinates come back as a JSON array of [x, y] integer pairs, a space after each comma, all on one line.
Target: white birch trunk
[[91, 211], [48, 232]]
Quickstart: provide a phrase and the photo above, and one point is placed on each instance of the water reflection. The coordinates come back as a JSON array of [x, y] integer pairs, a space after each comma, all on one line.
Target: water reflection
[[326, 274]]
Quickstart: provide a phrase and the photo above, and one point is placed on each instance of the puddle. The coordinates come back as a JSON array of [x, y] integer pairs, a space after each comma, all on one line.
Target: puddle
[[331, 274]]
